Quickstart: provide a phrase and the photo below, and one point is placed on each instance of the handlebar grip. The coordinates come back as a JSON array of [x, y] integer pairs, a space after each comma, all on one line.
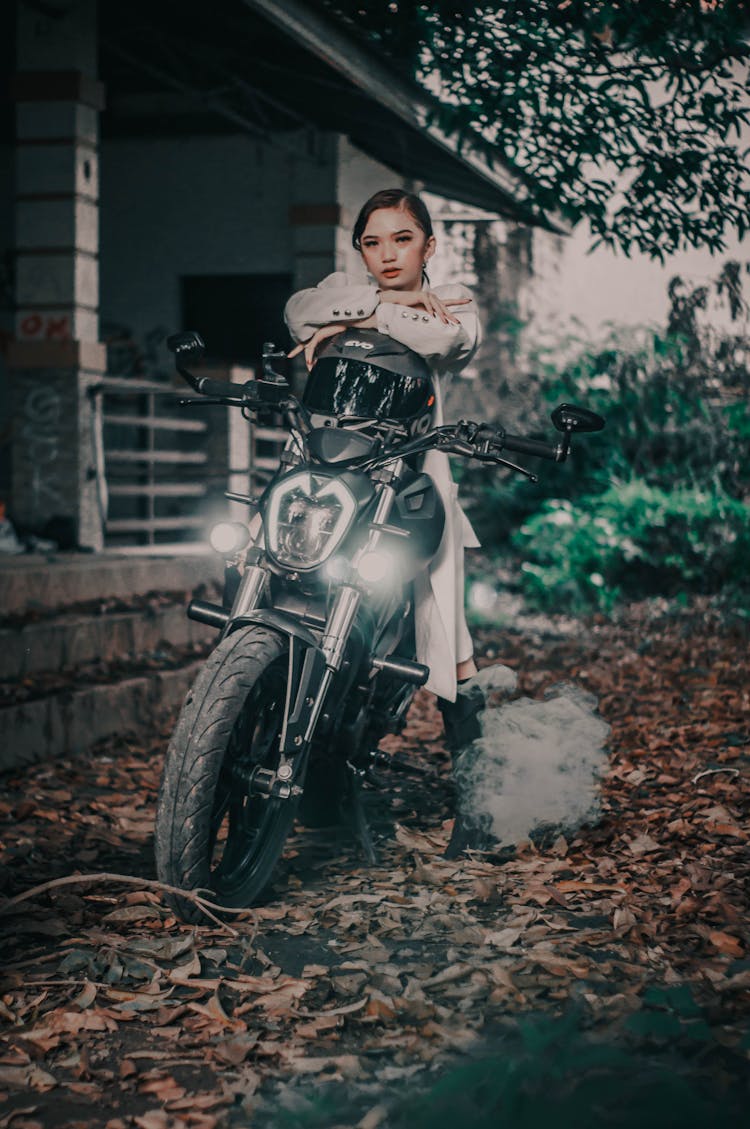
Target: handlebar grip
[[221, 389], [532, 447]]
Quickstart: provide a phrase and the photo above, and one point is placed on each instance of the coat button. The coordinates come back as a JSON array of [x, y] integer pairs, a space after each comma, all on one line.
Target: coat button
[[360, 313], [347, 313], [404, 313], [415, 317], [425, 317], [336, 313]]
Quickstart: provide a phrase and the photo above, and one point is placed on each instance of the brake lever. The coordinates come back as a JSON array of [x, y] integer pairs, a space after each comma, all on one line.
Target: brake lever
[[514, 466], [198, 403], [459, 447]]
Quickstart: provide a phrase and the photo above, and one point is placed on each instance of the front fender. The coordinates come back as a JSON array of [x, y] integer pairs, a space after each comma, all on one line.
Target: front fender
[[307, 666], [279, 621]]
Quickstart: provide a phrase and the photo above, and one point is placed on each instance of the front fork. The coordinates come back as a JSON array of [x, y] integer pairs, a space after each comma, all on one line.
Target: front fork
[[344, 610], [311, 668]]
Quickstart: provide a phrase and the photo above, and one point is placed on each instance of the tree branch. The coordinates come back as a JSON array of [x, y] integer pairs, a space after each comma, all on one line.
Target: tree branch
[[193, 896]]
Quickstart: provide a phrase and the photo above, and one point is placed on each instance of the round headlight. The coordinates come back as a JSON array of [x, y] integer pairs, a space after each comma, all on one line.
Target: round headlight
[[375, 566], [228, 537]]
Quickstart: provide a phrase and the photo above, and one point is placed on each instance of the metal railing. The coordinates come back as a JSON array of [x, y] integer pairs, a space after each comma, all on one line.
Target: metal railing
[[161, 475], [152, 486]]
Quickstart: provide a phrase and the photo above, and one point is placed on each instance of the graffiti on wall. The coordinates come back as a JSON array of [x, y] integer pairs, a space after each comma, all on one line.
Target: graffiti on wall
[[35, 325], [41, 417]]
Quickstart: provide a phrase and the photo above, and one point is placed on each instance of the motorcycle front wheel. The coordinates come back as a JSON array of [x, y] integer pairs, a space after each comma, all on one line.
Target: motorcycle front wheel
[[212, 831]]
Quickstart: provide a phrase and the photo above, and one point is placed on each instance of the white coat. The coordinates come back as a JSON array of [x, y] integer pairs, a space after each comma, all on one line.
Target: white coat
[[442, 636]]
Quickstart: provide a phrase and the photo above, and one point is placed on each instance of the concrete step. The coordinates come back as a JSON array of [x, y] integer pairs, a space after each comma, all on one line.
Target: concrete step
[[69, 640], [94, 646], [71, 721], [44, 583]]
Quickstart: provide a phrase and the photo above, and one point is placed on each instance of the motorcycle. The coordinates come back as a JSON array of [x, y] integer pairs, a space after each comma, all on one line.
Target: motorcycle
[[316, 659]]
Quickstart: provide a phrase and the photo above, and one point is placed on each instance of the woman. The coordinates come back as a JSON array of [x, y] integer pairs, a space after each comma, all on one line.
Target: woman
[[393, 233]]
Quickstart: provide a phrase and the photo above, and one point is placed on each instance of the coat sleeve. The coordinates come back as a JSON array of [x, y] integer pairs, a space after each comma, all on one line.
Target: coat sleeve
[[336, 298], [446, 346]]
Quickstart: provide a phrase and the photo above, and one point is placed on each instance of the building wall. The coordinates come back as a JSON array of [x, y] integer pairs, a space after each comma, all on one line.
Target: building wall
[[494, 258], [222, 205], [6, 306], [358, 178], [7, 158], [181, 206]]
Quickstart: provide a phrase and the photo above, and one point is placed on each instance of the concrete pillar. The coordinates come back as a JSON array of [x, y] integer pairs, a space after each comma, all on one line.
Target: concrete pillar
[[317, 220], [55, 356], [315, 212], [55, 489]]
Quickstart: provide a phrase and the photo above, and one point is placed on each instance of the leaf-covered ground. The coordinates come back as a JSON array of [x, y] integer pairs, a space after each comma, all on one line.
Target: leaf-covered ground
[[602, 981]]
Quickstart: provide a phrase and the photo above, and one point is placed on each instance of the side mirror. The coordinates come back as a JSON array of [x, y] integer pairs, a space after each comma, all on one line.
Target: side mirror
[[187, 347], [568, 417]]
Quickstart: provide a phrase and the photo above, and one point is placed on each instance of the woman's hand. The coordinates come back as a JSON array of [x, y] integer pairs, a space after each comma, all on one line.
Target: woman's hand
[[426, 300], [309, 347]]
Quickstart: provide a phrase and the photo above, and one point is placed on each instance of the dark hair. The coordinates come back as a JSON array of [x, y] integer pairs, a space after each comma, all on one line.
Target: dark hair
[[391, 198]]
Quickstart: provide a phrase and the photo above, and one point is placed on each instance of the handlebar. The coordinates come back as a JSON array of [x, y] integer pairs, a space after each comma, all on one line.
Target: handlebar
[[523, 446], [481, 441], [221, 389]]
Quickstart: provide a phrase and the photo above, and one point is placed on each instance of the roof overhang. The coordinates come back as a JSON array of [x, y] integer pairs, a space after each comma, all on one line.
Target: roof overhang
[[467, 173]]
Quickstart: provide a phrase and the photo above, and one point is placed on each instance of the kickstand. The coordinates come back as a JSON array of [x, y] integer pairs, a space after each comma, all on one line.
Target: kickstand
[[359, 824]]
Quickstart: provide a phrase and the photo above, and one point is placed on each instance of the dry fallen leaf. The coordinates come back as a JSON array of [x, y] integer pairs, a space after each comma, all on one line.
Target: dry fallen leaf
[[642, 845], [235, 1049], [29, 1077], [86, 997], [17, 1113], [335, 1066], [726, 943], [155, 1119]]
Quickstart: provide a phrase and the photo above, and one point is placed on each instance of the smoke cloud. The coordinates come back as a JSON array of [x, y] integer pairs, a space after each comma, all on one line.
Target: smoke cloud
[[535, 770]]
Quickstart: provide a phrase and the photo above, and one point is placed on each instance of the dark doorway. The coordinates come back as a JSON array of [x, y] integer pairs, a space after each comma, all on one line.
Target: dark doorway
[[236, 313]]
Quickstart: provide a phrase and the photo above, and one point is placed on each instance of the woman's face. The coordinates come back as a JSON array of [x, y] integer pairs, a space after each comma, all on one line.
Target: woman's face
[[395, 249]]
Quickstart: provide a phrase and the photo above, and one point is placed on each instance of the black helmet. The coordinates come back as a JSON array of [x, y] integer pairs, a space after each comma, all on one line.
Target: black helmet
[[366, 374]]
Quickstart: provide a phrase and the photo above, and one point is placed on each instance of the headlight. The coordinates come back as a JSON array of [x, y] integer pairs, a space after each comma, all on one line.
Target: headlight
[[306, 518], [374, 566], [337, 569], [228, 537]]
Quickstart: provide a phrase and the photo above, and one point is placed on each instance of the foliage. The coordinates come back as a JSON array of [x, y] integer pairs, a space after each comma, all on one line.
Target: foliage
[[550, 1073], [623, 113], [548, 1070], [635, 540], [656, 502]]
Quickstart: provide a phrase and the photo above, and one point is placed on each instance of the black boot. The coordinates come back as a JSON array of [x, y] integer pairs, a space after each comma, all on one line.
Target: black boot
[[463, 837], [461, 718], [463, 726]]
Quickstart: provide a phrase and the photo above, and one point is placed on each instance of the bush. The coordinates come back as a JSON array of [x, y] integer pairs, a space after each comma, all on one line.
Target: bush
[[654, 503], [634, 540]]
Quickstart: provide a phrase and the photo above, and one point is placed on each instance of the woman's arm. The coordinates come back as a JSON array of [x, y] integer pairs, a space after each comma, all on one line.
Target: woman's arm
[[335, 300], [444, 328], [451, 344]]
